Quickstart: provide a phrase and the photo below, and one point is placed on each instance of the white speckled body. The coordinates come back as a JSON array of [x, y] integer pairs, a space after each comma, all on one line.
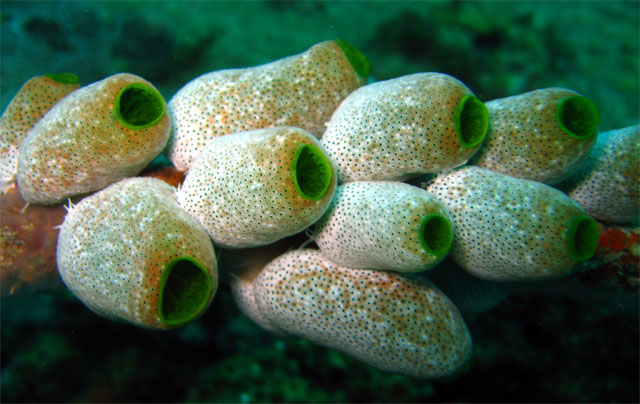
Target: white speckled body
[[244, 265], [607, 186], [242, 290], [397, 129], [301, 90], [393, 323], [79, 146], [241, 188], [375, 225], [526, 141], [31, 102], [507, 228], [114, 245]]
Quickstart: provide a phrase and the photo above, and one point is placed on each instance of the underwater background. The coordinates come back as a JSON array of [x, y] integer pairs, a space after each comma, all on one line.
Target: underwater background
[[534, 346]]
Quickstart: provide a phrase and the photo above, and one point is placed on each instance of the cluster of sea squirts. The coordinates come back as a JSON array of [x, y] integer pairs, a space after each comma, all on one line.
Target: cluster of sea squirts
[[387, 178]]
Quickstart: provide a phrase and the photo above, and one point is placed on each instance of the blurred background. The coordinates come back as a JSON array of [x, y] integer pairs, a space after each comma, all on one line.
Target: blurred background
[[530, 347]]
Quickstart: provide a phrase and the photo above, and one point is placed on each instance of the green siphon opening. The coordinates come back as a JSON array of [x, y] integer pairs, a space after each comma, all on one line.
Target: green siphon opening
[[578, 117], [436, 234], [139, 106], [185, 290], [312, 172], [358, 60], [63, 78], [583, 234], [471, 121]]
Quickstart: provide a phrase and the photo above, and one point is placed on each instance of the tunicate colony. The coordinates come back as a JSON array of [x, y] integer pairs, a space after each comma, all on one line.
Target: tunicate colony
[[386, 178]]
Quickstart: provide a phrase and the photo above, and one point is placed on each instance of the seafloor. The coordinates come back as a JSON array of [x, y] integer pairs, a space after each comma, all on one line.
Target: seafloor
[[558, 346]]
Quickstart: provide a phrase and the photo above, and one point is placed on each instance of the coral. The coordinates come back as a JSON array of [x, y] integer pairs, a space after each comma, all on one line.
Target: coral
[[541, 135], [393, 323], [256, 187], [607, 185], [384, 225], [94, 137], [128, 252], [170, 175], [28, 237], [404, 127], [616, 262], [30, 103], [509, 228], [301, 90]]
